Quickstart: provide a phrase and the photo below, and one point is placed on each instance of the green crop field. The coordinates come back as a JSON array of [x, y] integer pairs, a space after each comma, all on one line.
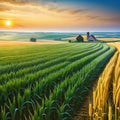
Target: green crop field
[[48, 82]]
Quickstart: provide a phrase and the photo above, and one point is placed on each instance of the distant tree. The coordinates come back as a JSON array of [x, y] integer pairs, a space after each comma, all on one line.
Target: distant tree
[[79, 38], [69, 41], [33, 39]]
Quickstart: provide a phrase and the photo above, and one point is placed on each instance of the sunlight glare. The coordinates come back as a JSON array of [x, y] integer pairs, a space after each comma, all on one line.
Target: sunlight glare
[[8, 22]]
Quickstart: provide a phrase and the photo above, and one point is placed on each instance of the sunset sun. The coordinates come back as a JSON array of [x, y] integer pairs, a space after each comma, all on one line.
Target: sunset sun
[[8, 22]]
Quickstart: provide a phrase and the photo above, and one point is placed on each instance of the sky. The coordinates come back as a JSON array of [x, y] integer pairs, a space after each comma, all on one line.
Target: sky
[[60, 15]]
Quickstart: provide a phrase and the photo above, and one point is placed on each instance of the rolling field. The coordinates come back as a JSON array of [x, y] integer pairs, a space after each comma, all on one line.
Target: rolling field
[[48, 82]]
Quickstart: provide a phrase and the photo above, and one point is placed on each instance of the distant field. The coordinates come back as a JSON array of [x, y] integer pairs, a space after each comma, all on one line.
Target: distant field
[[57, 36], [39, 35], [23, 43], [48, 82]]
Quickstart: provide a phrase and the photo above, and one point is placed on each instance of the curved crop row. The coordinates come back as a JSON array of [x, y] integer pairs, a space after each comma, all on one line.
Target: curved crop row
[[54, 84], [32, 69], [40, 53], [15, 67]]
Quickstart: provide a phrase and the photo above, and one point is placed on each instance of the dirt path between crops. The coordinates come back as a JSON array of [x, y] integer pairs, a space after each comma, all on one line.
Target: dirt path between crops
[[15, 43], [83, 113]]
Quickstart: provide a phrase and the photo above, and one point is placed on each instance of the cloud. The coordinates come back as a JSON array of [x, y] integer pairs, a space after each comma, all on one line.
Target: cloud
[[78, 11], [2, 19], [27, 1], [4, 7], [93, 17], [65, 9], [51, 6], [56, 9], [17, 1], [112, 19], [12, 1]]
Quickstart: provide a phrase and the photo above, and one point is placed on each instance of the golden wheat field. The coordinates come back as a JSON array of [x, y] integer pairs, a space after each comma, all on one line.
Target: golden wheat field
[[105, 101]]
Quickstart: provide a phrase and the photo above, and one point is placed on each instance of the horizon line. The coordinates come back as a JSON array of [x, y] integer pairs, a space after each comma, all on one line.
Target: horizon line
[[53, 31]]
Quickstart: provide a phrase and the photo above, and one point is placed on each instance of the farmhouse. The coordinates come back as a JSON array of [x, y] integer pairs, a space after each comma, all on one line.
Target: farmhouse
[[91, 38]]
